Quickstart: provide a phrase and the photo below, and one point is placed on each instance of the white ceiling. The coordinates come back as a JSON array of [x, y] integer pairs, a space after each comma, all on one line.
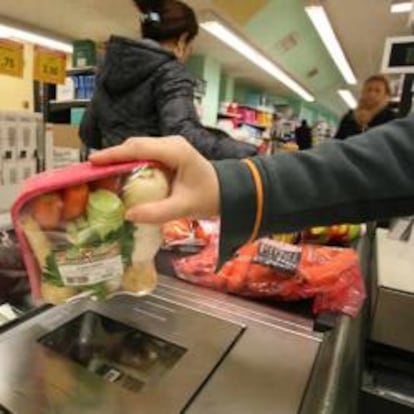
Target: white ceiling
[[361, 26]]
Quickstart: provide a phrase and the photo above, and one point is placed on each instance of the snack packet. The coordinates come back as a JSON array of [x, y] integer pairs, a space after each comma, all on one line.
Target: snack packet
[[184, 235], [74, 238]]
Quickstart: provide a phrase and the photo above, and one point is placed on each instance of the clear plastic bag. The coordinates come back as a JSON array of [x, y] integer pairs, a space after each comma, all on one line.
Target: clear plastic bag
[[74, 237]]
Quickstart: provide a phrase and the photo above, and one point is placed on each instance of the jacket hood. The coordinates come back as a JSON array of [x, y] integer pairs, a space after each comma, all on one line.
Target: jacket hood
[[128, 62]]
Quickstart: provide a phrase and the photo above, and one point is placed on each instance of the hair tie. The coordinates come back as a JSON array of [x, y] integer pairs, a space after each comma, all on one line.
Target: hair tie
[[150, 17]]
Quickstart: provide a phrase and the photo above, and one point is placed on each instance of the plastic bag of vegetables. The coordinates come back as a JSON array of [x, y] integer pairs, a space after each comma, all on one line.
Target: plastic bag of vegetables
[[74, 239]]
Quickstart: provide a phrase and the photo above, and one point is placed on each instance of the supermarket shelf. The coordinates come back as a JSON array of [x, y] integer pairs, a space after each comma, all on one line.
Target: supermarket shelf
[[64, 105], [258, 109], [228, 115], [87, 70], [254, 125]]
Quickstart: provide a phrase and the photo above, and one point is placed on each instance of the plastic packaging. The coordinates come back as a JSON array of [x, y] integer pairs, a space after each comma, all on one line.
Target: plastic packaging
[[74, 238], [274, 270], [184, 235]]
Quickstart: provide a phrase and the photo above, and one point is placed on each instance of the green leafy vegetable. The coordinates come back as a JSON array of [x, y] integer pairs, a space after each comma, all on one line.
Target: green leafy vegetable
[[127, 242], [99, 290], [51, 272]]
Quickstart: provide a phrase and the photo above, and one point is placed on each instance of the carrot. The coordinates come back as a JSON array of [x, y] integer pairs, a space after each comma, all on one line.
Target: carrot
[[47, 211], [75, 200]]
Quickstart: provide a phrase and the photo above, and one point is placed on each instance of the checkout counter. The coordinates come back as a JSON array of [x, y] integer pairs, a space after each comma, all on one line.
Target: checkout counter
[[182, 349]]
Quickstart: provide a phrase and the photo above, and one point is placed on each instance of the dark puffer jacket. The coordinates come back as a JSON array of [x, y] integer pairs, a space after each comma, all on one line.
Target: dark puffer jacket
[[349, 126], [142, 90]]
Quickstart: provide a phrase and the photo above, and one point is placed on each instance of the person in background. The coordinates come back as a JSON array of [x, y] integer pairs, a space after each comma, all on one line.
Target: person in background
[[144, 89], [336, 182], [303, 135], [373, 108]]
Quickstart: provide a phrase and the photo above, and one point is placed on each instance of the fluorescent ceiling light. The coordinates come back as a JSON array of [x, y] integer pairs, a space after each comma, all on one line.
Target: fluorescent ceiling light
[[348, 98], [402, 7], [24, 35], [321, 22], [235, 42]]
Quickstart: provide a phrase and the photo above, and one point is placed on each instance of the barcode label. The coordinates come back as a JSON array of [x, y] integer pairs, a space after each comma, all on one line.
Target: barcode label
[[282, 257], [98, 271], [80, 280]]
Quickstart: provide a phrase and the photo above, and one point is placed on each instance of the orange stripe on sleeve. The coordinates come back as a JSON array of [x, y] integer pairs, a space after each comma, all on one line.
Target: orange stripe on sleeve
[[260, 198]]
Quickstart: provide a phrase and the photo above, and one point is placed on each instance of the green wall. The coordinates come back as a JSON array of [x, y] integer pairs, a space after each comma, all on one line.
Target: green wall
[[222, 87], [304, 56], [227, 87], [208, 69], [212, 75], [195, 64]]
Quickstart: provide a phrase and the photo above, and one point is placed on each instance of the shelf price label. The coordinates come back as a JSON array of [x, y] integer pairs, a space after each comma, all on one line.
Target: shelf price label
[[49, 66], [11, 58]]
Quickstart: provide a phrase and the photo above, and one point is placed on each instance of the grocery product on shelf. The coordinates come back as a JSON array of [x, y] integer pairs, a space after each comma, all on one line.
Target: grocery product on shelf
[[21, 152], [339, 234], [74, 237], [248, 124]]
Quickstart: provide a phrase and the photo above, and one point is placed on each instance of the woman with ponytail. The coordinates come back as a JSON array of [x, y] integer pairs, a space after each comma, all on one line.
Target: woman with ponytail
[[144, 89]]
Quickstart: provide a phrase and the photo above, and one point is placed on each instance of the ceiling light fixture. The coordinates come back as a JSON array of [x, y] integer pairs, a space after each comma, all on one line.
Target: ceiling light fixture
[[402, 7], [348, 98], [324, 28], [37, 39], [231, 39]]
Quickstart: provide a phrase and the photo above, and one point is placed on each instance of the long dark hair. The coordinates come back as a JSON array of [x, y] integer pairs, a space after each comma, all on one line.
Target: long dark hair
[[164, 20]]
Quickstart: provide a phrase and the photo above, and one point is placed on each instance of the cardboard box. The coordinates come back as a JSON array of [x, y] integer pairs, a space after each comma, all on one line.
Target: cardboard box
[[19, 134], [10, 173], [62, 145], [393, 300], [66, 136], [27, 137], [9, 125], [63, 157], [8, 195], [26, 168]]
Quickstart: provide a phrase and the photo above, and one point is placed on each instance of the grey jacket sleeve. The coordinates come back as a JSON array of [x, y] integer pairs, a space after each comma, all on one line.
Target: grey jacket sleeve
[[369, 176], [174, 99]]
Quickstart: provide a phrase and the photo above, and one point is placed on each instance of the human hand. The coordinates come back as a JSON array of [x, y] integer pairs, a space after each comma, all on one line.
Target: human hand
[[194, 188]]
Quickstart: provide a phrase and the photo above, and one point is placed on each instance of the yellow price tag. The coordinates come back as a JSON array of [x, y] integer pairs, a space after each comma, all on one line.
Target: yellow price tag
[[11, 58], [49, 66]]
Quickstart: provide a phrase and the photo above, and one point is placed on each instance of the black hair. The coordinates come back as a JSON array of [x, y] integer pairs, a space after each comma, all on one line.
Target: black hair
[[164, 20]]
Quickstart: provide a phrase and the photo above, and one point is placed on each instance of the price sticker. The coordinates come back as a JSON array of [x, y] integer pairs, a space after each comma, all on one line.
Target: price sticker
[[11, 58], [49, 66]]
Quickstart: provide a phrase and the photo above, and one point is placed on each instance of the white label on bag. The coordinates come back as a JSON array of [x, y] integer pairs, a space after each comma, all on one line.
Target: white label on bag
[[92, 273], [92, 266], [284, 258]]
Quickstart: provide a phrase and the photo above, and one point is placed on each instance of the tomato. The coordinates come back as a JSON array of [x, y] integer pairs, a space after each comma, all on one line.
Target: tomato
[[47, 211], [75, 200]]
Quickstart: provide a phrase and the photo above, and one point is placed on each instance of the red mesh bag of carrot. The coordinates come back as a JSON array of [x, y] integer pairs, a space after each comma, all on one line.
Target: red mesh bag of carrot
[[274, 270]]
